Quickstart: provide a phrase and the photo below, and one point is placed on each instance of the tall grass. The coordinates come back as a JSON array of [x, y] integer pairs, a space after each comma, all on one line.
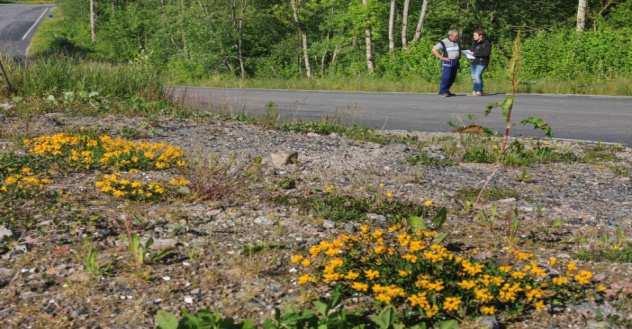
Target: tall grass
[[54, 75]]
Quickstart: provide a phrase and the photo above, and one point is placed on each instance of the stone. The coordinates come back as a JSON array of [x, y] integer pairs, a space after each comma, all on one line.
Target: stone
[[5, 233], [328, 224], [263, 220], [280, 159], [592, 324], [5, 276], [163, 244], [488, 322], [381, 219]]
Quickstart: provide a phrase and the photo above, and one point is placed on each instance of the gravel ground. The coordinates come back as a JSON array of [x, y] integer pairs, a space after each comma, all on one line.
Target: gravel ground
[[562, 209]]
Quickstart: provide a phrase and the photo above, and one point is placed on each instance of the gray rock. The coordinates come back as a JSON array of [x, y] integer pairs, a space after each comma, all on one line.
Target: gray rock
[[350, 227], [592, 324], [488, 322], [280, 159], [5, 276], [328, 224], [163, 244], [5, 233], [263, 220], [381, 219]]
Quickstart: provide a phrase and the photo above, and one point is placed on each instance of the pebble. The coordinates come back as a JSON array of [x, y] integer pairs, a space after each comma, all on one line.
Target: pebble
[[188, 299], [262, 220], [5, 233]]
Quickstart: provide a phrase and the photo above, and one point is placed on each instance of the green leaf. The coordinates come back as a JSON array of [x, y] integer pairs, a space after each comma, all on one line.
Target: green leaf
[[385, 319], [248, 324], [440, 218], [439, 237], [166, 320], [448, 324], [417, 223], [321, 307]]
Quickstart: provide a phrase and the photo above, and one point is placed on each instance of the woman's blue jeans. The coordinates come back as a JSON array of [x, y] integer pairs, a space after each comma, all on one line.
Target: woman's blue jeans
[[477, 76]]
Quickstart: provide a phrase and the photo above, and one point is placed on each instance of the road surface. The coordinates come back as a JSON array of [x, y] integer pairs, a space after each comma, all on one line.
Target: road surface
[[595, 118], [17, 25]]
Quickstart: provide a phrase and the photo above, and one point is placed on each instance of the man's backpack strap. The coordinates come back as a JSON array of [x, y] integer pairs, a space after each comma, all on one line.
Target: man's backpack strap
[[445, 49]]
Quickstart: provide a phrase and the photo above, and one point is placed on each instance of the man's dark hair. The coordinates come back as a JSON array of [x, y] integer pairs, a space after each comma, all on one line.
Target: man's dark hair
[[479, 31]]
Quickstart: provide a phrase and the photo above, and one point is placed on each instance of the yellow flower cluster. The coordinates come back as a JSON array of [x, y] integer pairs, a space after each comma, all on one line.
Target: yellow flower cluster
[[106, 152], [25, 181], [406, 268], [121, 187]]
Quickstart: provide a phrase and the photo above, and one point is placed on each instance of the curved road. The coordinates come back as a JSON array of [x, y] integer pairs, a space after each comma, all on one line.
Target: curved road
[[595, 118], [17, 24]]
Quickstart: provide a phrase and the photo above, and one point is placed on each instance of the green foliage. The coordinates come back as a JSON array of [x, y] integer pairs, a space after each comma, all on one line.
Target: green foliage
[[348, 208], [538, 124], [200, 320], [202, 40]]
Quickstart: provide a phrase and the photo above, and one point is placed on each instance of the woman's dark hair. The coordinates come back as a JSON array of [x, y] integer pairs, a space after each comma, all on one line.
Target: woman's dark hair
[[479, 31]]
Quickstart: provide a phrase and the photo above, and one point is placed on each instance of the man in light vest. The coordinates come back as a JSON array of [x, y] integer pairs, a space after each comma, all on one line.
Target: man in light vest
[[448, 51]]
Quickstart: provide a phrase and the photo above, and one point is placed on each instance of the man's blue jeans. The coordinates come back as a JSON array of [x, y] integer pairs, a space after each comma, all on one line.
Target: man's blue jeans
[[449, 69], [477, 76]]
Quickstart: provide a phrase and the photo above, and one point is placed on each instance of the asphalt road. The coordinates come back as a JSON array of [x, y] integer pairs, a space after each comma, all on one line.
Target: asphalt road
[[17, 25], [595, 118]]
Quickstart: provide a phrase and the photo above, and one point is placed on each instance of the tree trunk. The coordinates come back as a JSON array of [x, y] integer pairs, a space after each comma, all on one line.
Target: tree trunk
[[391, 27], [581, 15], [405, 24], [422, 18], [93, 33], [238, 24], [295, 7], [368, 41]]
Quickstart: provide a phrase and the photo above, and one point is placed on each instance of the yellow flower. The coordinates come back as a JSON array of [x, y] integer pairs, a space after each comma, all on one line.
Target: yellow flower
[[295, 259], [305, 278], [371, 274], [428, 203], [552, 261], [522, 255], [452, 304], [488, 310], [431, 311], [359, 286], [601, 287], [482, 295], [351, 275], [518, 275], [560, 280], [419, 300], [571, 267], [539, 305], [583, 277], [505, 268], [306, 262], [467, 284]]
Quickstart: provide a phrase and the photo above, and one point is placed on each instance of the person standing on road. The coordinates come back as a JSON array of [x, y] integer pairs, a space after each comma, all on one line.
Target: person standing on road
[[448, 51], [481, 50]]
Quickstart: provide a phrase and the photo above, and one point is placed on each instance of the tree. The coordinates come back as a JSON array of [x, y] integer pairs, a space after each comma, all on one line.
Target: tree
[[391, 27], [93, 34], [295, 14], [420, 23], [368, 40], [581, 15], [405, 24]]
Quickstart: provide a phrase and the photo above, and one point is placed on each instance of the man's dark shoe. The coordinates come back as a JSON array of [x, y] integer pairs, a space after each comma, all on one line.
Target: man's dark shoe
[[449, 94]]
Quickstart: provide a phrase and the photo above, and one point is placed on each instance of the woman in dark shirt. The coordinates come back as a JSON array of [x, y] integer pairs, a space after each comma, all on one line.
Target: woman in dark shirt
[[481, 49]]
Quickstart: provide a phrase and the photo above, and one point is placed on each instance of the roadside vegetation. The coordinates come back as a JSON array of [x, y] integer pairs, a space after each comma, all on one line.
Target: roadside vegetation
[[255, 43]]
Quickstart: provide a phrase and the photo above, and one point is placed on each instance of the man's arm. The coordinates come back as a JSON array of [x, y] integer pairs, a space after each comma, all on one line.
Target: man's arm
[[438, 55]]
